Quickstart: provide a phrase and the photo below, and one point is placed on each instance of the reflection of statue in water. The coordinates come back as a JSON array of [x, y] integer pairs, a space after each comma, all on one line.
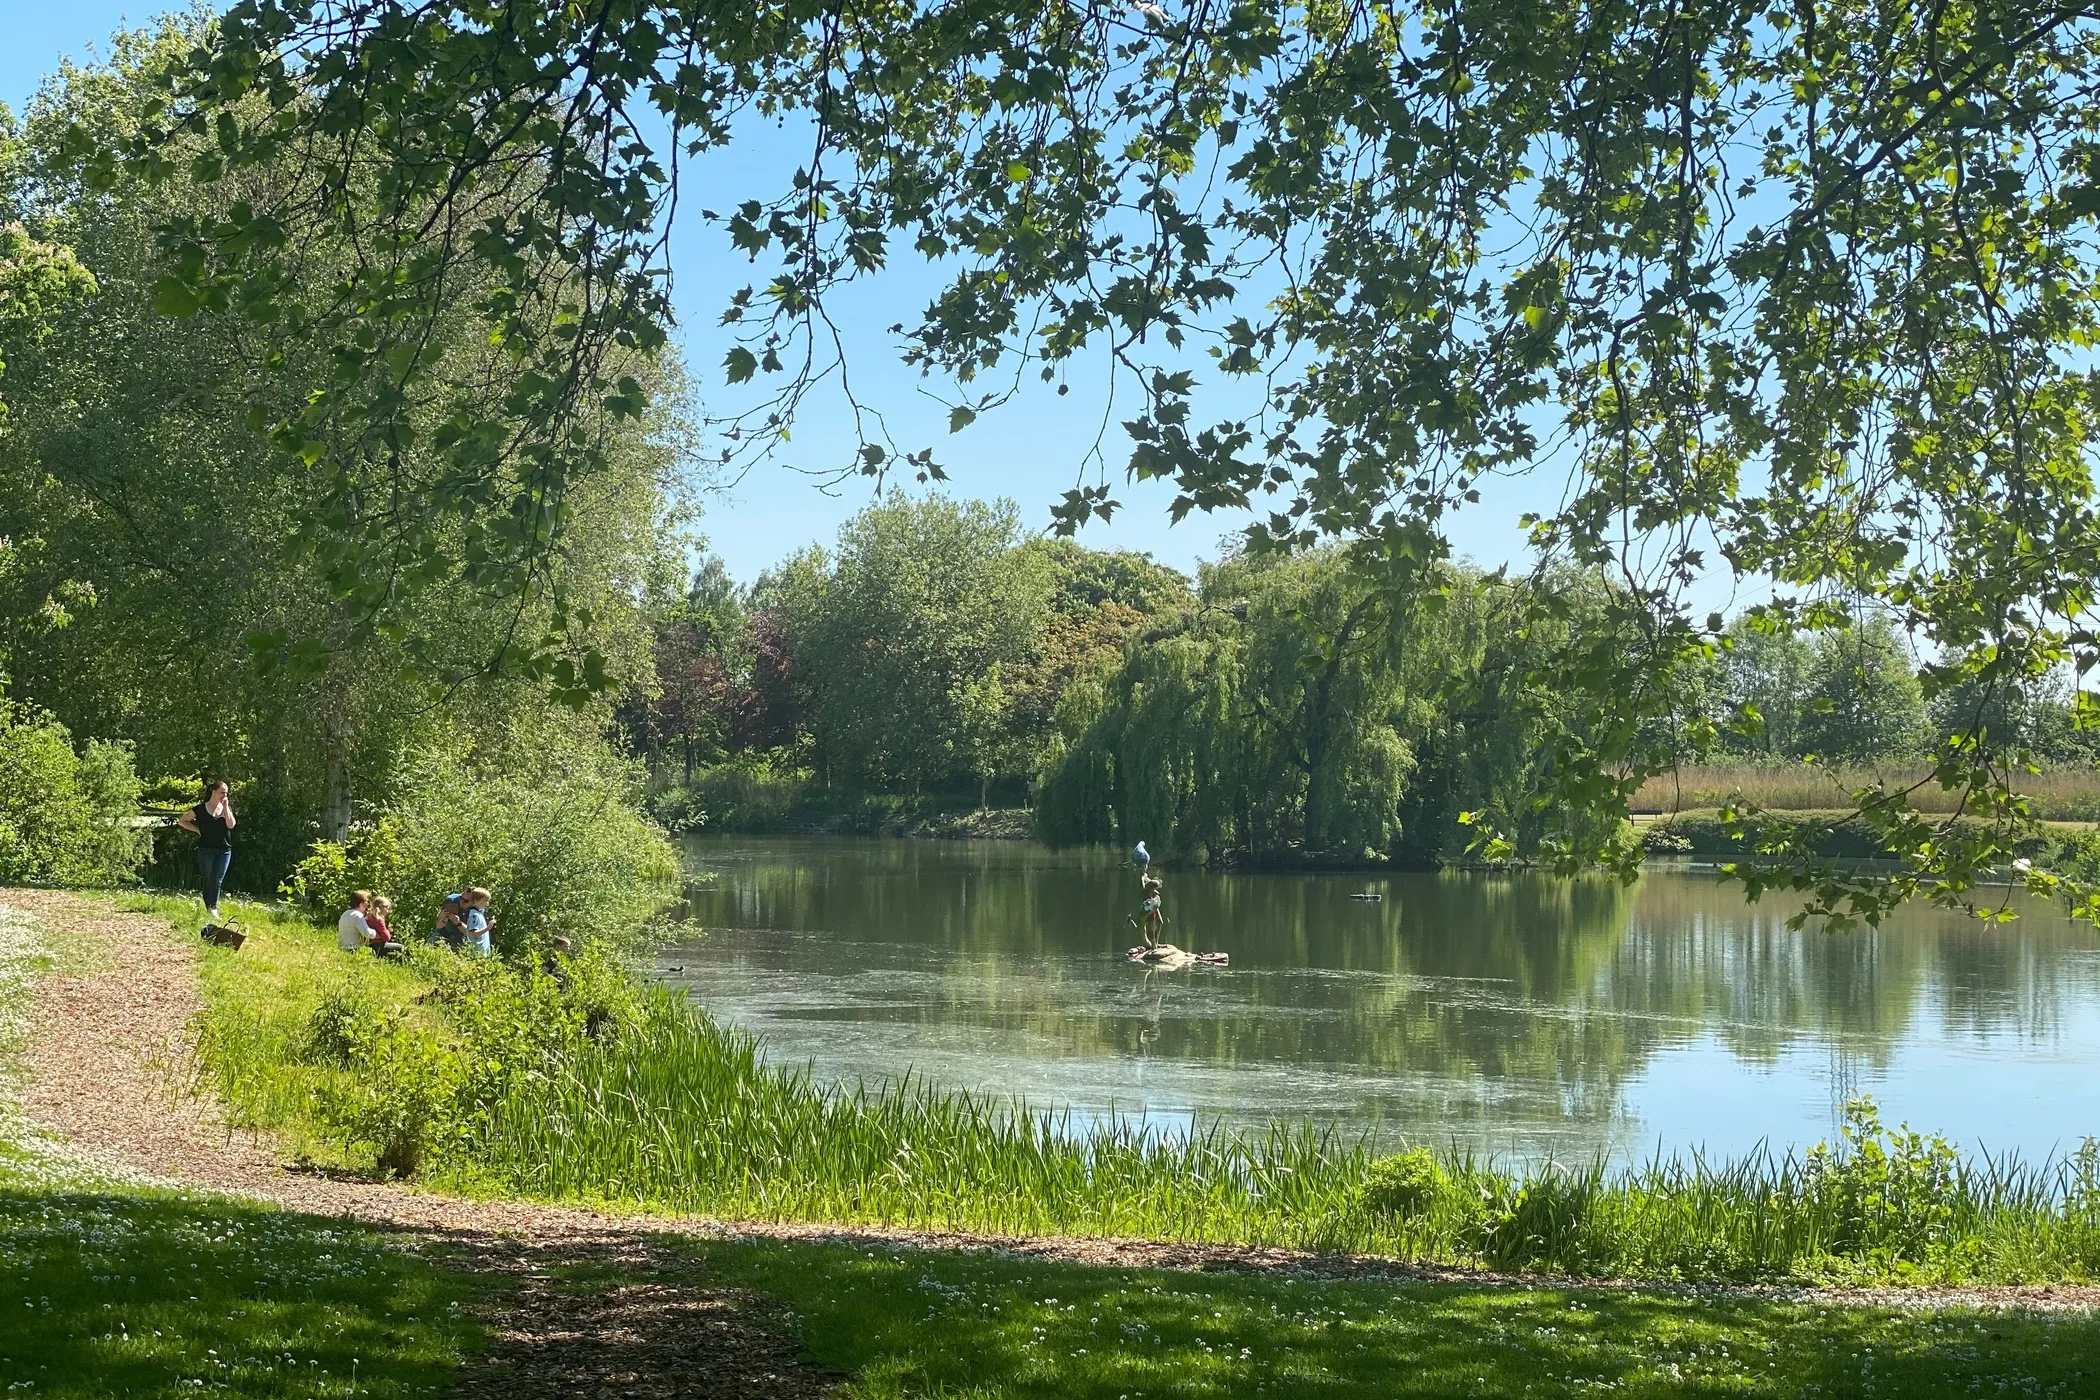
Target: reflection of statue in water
[[1149, 1031]]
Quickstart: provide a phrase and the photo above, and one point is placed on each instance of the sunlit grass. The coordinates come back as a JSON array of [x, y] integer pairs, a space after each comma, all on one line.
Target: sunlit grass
[[133, 1292], [2057, 794], [920, 1323]]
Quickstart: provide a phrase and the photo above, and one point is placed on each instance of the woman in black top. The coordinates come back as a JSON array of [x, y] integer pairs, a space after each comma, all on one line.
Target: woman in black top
[[213, 821]]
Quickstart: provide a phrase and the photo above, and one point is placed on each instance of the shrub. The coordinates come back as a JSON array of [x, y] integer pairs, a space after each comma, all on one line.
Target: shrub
[[346, 1029], [65, 813], [1888, 1196], [405, 1108], [1405, 1184], [550, 832]]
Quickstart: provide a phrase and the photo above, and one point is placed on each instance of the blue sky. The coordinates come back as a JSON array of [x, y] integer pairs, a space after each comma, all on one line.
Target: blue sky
[[1032, 450]]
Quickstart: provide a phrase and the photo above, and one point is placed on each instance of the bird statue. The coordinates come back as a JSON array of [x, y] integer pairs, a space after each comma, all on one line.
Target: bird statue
[[1141, 856]]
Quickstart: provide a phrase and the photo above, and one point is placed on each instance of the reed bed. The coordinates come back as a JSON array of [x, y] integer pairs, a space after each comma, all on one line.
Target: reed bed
[[2060, 794], [683, 1115]]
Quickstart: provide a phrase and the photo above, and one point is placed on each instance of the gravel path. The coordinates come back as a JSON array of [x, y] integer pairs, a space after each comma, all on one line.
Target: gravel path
[[106, 1070]]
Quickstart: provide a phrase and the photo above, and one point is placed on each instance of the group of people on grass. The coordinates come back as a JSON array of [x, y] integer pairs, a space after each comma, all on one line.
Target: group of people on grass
[[463, 924]]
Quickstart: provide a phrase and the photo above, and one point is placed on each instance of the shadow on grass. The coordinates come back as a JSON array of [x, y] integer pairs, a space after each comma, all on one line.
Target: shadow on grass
[[913, 1323], [147, 1293]]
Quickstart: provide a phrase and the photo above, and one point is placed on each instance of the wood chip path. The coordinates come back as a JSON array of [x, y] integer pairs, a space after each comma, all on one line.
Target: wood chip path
[[106, 1065]]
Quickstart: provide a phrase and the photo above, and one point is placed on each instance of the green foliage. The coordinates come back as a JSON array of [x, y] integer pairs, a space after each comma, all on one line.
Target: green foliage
[[37, 282], [160, 581], [1863, 699], [542, 820], [65, 812], [1854, 368], [1403, 1184], [902, 639], [1890, 1196], [1311, 710], [347, 1029]]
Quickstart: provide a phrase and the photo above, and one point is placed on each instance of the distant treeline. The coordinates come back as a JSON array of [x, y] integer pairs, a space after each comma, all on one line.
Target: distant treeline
[[1275, 708]]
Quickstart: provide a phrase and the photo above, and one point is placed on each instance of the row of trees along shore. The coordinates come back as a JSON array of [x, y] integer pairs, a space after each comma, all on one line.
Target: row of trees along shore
[[1274, 708]]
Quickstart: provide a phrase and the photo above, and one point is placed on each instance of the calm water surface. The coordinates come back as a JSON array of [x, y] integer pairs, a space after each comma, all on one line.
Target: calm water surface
[[1515, 1014]]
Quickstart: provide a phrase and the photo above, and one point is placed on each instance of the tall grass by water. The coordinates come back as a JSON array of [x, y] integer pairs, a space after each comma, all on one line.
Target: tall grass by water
[[2059, 794], [683, 1115], [589, 1087]]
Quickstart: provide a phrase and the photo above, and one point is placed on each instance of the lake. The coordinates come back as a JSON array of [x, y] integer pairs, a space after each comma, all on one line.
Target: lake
[[1514, 1014]]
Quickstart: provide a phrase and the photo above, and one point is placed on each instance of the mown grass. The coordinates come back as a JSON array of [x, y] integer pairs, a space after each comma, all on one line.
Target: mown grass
[[2058, 794], [607, 1093], [122, 1291], [909, 1323]]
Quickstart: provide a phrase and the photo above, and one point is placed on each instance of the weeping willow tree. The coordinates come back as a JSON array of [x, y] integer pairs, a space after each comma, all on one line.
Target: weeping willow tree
[[1312, 709]]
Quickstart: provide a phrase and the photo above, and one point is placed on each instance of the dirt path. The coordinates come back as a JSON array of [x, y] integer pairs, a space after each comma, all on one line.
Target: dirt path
[[106, 1044], [105, 1047]]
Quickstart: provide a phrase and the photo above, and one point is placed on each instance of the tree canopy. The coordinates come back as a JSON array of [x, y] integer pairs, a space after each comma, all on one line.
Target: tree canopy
[[1801, 292]]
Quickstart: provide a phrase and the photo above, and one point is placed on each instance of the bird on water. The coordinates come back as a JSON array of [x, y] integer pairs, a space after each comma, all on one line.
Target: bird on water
[[1141, 856]]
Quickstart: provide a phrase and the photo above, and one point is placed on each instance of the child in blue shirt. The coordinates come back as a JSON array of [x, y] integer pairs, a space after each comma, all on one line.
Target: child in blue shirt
[[478, 923]]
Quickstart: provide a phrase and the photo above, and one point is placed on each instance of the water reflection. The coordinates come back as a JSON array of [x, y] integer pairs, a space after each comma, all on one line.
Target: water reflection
[[1507, 1013]]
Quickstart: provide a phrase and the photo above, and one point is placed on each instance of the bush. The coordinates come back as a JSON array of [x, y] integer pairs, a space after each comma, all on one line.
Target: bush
[[549, 831], [1406, 1184], [1889, 1196], [347, 1029], [405, 1109], [65, 813]]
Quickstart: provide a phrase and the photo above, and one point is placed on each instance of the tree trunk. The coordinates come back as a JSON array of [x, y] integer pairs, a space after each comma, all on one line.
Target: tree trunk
[[335, 796]]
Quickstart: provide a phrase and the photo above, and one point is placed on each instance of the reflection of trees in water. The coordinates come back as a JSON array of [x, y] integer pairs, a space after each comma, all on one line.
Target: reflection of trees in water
[[1545, 986], [1694, 951]]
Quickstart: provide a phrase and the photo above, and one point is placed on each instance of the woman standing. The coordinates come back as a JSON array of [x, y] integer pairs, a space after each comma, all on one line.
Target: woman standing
[[213, 821]]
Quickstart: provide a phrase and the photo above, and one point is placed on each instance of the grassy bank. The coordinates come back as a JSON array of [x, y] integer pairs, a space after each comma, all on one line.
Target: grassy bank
[[484, 1079]]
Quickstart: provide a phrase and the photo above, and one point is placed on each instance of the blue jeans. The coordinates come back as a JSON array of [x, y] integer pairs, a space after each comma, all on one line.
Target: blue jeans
[[212, 866]]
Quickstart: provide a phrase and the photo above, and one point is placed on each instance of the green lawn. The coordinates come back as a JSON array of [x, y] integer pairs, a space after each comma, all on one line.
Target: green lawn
[[129, 1292], [910, 1323]]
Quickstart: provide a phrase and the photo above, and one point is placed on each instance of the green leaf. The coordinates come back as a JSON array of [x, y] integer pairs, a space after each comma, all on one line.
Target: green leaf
[[174, 297]]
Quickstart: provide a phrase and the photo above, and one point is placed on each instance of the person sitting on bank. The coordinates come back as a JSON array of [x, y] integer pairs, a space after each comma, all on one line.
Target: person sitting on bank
[[353, 931], [383, 941], [451, 930], [475, 915]]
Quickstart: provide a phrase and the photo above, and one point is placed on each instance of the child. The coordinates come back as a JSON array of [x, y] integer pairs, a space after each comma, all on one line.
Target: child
[[451, 929], [475, 917], [383, 941]]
